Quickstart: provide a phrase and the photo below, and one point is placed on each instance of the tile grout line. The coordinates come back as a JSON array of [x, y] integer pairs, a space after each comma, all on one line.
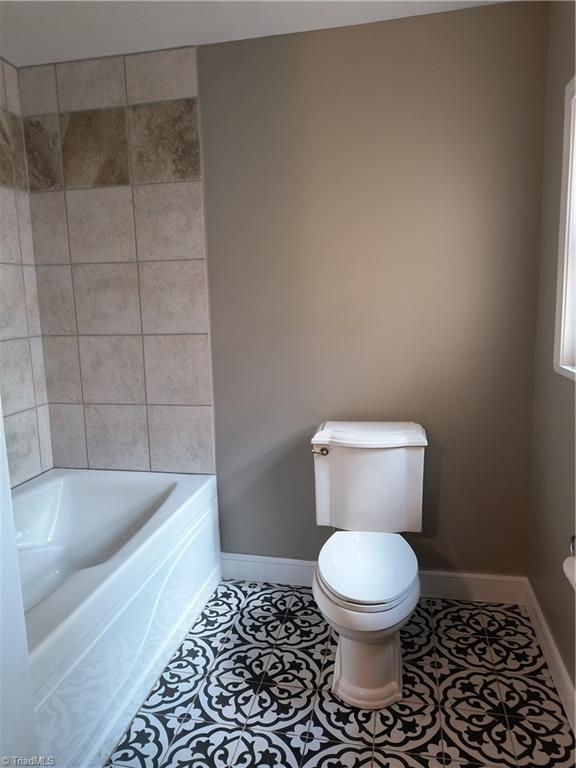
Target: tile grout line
[[127, 126]]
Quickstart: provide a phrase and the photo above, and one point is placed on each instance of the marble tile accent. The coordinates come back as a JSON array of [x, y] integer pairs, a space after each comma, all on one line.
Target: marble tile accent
[[6, 174], [68, 436], [12, 303], [62, 365], [31, 297], [43, 152], [20, 175], [169, 221], [101, 224], [178, 369], [38, 370], [107, 298], [112, 369], [11, 88], [48, 212], [16, 383], [44, 437], [161, 75], [164, 141], [9, 242], [91, 84], [56, 300], [22, 446], [94, 148], [181, 438], [174, 297], [25, 227], [117, 437], [37, 87]]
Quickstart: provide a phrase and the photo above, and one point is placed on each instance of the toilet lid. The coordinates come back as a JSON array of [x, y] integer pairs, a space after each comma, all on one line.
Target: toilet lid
[[367, 568]]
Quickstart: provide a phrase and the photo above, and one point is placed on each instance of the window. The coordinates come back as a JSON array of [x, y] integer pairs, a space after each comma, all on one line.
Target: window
[[565, 336]]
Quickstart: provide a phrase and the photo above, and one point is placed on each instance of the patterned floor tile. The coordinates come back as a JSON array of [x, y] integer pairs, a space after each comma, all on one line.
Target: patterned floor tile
[[465, 650], [325, 754], [303, 630], [543, 743], [452, 618], [243, 662], [258, 749], [274, 595], [145, 742], [282, 708], [256, 625], [477, 737], [419, 682], [386, 759], [506, 621], [300, 667], [223, 700], [408, 726], [519, 654], [528, 697], [202, 745], [172, 695], [475, 690], [193, 657], [333, 720]]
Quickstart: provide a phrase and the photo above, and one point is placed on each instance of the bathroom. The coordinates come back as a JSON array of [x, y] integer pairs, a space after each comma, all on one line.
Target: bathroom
[[287, 384]]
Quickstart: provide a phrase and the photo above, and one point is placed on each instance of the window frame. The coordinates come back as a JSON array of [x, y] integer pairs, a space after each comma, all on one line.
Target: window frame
[[565, 331]]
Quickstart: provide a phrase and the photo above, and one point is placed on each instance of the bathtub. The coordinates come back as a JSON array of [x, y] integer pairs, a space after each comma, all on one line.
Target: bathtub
[[115, 566]]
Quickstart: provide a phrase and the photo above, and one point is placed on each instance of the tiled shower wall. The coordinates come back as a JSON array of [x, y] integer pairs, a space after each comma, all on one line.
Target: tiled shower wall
[[116, 206], [22, 377]]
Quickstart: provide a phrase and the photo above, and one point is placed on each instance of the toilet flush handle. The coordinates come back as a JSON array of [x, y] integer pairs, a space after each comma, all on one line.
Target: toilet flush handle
[[321, 451]]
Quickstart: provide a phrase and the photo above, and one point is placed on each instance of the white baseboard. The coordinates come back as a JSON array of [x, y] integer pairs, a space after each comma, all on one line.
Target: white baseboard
[[550, 650], [457, 585]]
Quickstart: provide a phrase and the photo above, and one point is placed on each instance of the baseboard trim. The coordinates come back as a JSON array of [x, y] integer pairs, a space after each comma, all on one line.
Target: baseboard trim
[[487, 587], [456, 585], [562, 680]]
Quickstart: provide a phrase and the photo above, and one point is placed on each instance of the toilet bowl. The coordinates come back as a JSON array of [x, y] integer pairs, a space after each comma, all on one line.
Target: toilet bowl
[[366, 586]]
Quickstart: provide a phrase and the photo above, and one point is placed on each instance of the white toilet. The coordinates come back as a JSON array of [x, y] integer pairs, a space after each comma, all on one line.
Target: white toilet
[[369, 483]]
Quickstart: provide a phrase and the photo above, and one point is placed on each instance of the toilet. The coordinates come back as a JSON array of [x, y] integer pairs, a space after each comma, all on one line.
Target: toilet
[[368, 478]]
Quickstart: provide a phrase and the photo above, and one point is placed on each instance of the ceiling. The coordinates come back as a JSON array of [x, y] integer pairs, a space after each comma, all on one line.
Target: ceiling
[[41, 32]]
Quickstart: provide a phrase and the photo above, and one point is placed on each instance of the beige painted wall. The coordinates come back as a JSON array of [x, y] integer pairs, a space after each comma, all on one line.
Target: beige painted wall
[[553, 504], [373, 199]]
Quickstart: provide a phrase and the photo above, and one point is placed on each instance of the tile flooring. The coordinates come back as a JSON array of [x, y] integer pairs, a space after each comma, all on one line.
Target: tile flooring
[[250, 686]]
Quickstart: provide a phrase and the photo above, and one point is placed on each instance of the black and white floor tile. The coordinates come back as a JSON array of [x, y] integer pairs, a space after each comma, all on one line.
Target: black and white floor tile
[[250, 686]]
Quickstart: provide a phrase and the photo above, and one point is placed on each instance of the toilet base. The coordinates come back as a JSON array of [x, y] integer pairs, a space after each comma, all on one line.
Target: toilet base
[[368, 675]]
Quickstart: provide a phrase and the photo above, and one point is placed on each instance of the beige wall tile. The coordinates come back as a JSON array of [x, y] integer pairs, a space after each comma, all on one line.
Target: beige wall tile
[[112, 369], [44, 437], [101, 224], [32, 305], [94, 148], [164, 141], [56, 300], [173, 296], [62, 364], [38, 90], [22, 446], [12, 303], [38, 370], [11, 85], [107, 298], [48, 213], [25, 227], [91, 84], [9, 241], [169, 221], [178, 370], [68, 436], [161, 75], [117, 437], [181, 438], [16, 384], [43, 152]]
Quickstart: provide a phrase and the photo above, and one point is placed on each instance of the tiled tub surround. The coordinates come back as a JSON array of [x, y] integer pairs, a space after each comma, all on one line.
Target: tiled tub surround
[[250, 686], [117, 220], [22, 375]]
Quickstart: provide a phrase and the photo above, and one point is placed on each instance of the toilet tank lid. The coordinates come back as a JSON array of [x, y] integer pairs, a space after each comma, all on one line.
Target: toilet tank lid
[[370, 434]]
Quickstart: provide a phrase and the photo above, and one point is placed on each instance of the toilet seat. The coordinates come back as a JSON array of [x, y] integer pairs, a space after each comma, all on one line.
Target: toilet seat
[[366, 571]]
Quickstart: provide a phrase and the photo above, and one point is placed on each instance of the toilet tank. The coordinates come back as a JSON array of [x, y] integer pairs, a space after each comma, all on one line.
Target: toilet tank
[[369, 474]]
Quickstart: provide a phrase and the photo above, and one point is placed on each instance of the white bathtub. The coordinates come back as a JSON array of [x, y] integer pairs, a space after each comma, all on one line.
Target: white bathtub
[[115, 566]]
